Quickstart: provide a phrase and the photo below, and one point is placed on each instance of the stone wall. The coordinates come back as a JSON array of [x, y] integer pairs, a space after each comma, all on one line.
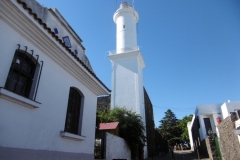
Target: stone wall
[[150, 126], [228, 141], [103, 103], [207, 140], [212, 147]]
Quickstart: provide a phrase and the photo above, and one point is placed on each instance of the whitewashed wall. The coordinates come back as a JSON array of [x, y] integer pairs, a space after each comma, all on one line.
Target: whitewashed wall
[[212, 111], [207, 111], [40, 128], [228, 107], [116, 148], [35, 132], [189, 126], [127, 84]]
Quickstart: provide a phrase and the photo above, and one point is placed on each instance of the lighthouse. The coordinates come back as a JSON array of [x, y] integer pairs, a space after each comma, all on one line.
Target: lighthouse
[[127, 63], [126, 19]]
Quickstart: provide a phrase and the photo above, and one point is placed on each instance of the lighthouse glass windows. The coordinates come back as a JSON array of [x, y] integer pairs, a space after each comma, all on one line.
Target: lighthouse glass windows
[[21, 74], [74, 109]]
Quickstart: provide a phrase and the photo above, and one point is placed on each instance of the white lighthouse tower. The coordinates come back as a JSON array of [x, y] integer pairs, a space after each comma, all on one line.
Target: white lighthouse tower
[[126, 19], [127, 64]]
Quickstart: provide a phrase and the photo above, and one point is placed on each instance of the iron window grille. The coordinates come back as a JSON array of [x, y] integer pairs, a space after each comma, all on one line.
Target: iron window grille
[[73, 112], [22, 77]]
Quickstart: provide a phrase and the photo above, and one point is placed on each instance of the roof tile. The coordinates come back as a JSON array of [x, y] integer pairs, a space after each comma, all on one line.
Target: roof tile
[[106, 126]]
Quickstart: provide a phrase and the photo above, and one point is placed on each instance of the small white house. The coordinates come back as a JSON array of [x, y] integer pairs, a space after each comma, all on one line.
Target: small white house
[[48, 90], [207, 116], [219, 119], [210, 115]]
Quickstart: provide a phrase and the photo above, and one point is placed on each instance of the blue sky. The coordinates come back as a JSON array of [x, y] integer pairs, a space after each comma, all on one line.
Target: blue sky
[[191, 48]]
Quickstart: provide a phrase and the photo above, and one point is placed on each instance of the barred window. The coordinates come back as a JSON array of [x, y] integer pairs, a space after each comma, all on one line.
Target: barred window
[[74, 110], [21, 74]]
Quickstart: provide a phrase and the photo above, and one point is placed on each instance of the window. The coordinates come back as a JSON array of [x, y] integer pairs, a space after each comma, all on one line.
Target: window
[[74, 110], [233, 116], [21, 75]]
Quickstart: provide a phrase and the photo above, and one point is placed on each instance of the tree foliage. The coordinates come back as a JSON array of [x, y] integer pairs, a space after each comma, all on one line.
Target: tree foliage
[[183, 126], [131, 127], [160, 142], [174, 130], [169, 127]]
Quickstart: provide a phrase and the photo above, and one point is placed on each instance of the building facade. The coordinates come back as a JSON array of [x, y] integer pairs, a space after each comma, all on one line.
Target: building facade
[[207, 123], [48, 90]]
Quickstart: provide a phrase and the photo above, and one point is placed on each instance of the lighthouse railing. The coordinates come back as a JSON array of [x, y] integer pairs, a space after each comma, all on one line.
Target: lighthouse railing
[[124, 50]]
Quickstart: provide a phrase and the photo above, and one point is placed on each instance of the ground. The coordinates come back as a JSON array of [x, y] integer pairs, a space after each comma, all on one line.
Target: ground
[[178, 155]]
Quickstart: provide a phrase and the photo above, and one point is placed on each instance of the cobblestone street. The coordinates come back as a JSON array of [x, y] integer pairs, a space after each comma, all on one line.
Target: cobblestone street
[[178, 155]]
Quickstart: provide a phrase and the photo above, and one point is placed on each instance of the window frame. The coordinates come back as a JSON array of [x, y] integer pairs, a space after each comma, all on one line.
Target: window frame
[[77, 116], [20, 58]]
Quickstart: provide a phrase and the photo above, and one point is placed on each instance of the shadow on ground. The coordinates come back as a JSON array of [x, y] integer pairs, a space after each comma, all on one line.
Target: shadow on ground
[[178, 155]]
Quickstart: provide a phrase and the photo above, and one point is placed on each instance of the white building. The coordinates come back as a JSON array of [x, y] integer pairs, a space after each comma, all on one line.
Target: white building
[[214, 126], [209, 114], [48, 90], [127, 64]]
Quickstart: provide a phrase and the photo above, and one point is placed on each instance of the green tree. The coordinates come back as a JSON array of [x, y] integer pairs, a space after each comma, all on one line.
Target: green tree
[[131, 127], [169, 129], [183, 126]]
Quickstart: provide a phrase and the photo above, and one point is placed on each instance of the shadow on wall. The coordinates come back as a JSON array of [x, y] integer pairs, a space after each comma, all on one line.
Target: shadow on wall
[[200, 147]]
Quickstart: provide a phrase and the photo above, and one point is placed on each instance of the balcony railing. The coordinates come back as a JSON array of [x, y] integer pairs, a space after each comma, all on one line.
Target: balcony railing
[[124, 50]]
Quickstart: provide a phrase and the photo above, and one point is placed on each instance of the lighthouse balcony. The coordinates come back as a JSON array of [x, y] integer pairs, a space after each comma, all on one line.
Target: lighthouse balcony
[[124, 50]]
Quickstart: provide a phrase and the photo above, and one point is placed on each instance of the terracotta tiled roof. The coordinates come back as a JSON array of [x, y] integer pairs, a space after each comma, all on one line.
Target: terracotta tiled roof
[[106, 126]]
